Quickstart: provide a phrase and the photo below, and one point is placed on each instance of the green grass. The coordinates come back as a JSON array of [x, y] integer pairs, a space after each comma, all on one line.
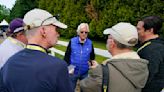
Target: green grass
[[60, 47], [63, 39], [100, 45], [100, 59], [59, 56]]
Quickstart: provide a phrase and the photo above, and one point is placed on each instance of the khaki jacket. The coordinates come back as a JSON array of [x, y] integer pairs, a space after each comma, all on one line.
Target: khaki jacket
[[125, 75]]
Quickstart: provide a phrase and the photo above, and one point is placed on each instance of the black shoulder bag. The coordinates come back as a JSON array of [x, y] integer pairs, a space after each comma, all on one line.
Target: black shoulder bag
[[105, 79]]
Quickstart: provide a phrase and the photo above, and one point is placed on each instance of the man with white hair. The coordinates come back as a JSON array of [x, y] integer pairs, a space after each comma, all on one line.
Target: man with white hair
[[125, 71], [79, 51], [32, 69]]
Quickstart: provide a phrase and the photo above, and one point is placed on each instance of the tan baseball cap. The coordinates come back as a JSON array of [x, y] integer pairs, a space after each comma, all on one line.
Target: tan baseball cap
[[39, 17], [124, 33]]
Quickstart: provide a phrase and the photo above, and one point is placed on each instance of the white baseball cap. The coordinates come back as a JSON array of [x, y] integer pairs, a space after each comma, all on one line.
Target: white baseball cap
[[124, 33], [39, 17]]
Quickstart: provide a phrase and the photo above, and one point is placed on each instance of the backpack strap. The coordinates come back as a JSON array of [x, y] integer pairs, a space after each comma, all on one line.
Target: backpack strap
[[105, 79]]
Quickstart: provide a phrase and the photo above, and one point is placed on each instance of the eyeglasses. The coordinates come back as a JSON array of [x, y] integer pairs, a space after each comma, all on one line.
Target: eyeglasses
[[83, 32]]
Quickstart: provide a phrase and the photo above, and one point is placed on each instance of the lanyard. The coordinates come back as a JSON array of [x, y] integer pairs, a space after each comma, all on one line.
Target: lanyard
[[16, 42], [146, 44], [36, 47]]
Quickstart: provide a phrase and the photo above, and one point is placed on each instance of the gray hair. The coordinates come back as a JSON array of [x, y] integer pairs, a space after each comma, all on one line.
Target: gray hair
[[82, 25], [122, 46], [31, 32]]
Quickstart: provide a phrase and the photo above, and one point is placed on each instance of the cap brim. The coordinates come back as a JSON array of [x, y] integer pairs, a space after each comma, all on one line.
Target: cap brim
[[18, 29], [60, 25], [107, 31]]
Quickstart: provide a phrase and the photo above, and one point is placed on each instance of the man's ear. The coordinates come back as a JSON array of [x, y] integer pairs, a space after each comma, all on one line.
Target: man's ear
[[152, 30], [42, 32], [113, 44]]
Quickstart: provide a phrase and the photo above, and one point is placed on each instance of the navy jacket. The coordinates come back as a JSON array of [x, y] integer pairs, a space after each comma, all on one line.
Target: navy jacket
[[34, 71]]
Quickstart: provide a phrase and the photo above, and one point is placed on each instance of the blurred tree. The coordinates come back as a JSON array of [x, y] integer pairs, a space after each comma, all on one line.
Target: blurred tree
[[4, 13], [99, 14], [21, 7]]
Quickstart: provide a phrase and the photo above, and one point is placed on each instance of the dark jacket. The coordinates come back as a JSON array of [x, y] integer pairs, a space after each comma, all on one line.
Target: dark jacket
[[153, 51], [34, 71], [125, 75], [78, 54]]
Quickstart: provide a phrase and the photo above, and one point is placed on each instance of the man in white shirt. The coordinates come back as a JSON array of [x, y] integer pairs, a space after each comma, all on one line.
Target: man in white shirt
[[15, 42]]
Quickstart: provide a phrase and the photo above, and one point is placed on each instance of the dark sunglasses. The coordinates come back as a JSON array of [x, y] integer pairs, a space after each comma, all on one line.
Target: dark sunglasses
[[83, 32]]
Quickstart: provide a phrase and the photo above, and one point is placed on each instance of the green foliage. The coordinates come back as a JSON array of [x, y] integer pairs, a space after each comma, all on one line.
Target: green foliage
[[21, 7], [4, 13], [99, 14]]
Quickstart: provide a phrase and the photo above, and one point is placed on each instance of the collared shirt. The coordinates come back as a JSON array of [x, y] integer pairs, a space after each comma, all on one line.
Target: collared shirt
[[36, 47], [82, 42], [9, 47]]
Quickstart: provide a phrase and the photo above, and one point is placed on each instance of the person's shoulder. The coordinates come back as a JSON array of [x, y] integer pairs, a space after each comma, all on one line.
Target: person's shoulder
[[13, 57], [8, 44], [4, 43], [8, 49], [97, 71], [158, 41], [155, 44], [89, 40], [57, 64], [17, 54], [76, 37], [143, 60], [55, 60], [152, 45]]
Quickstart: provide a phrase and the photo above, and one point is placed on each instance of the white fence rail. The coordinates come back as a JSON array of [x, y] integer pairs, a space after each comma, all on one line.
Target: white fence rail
[[98, 51]]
